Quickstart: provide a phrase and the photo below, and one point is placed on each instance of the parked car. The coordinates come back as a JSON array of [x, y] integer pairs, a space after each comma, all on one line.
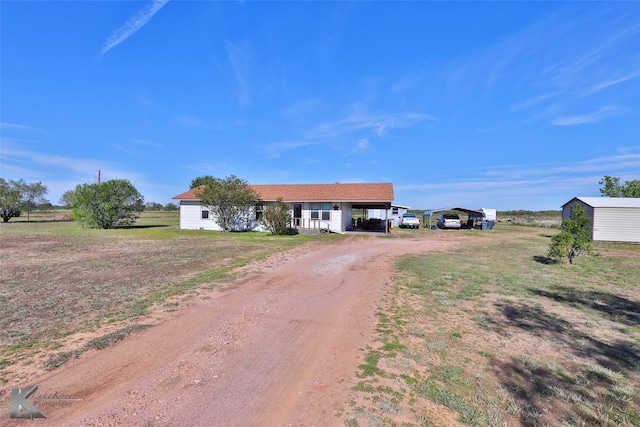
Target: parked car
[[409, 220], [449, 221]]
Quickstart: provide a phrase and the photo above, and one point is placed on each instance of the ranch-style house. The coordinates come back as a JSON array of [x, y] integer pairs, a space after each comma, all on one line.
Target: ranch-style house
[[313, 207]]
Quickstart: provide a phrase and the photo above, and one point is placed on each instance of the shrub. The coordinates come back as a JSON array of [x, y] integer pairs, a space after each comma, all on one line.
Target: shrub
[[277, 218], [574, 237]]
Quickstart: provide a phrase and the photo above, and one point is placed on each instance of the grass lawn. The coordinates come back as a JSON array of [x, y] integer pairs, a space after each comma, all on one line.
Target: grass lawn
[[59, 281], [495, 334]]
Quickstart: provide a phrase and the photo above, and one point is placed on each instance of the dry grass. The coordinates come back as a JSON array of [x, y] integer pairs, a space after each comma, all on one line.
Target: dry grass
[[495, 335], [63, 286]]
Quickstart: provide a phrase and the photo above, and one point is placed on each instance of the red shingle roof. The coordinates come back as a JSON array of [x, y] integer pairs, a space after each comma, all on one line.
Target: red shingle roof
[[381, 192]]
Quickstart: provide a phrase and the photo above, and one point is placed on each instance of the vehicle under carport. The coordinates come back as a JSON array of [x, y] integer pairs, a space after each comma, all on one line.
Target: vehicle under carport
[[479, 219], [363, 221]]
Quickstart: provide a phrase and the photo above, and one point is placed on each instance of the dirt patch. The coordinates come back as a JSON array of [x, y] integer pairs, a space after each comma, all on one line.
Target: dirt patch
[[280, 347], [619, 254]]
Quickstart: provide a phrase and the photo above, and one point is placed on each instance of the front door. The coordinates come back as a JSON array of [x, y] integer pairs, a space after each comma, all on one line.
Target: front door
[[297, 214]]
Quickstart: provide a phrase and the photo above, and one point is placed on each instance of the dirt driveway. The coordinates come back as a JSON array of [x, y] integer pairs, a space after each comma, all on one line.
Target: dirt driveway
[[280, 348]]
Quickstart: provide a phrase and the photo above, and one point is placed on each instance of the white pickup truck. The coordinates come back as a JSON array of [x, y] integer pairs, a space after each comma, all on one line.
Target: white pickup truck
[[409, 220]]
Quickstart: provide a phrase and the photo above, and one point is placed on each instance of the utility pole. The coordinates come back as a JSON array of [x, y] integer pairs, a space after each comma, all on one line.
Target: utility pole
[[98, 176]]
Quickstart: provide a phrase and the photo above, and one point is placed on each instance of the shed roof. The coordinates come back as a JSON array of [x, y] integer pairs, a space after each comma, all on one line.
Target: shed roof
[[608, 202], [475, 212], [361, 193]]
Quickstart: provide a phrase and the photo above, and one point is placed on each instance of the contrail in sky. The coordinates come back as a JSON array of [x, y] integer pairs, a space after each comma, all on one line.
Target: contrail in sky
[[133, 24]]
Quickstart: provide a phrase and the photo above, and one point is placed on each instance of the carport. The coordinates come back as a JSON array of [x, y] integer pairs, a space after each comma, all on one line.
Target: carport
[[365, 207], [477, 218]]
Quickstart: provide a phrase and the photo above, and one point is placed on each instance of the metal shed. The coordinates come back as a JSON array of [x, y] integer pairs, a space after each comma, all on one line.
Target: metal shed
[[613, 219]]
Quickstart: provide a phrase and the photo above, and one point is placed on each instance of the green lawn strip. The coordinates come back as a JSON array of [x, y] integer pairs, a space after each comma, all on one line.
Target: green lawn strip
[[497, 335]]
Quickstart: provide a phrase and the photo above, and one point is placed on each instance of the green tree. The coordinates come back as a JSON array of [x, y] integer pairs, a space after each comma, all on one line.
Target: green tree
[[66, 200], [230, 200], [109, 204], [201, 180], [9, 200], [170, 207], [32, 196], [16, 196], [631, 188], [611, 187], [276, 217], [153, 206], [574, 238]]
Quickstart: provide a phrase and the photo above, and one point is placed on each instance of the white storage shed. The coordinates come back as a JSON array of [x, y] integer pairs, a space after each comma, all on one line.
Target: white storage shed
[[614, 219]]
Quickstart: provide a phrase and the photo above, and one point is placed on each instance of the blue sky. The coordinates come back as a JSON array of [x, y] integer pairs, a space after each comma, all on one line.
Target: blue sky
[[507, 105]]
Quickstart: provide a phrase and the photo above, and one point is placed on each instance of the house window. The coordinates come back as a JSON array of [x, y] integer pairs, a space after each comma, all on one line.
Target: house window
[[394, 210], [326, 211], [315, 210], [205, 213], [320, 211], [259, 210]]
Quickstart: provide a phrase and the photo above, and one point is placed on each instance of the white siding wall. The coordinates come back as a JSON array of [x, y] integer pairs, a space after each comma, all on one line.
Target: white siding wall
[[191, 217], [616, 225], [336, 219], [611, 224], [335, 223]]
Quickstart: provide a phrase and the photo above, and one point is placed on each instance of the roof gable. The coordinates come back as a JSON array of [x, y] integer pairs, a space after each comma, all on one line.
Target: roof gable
[[380, 192], [608, 202]]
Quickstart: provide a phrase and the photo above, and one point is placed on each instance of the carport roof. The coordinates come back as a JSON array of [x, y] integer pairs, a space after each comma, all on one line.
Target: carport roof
[[474, 212]]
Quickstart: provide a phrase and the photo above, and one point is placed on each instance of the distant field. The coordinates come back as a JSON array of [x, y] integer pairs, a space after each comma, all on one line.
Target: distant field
[[61, 215], [500, 336]]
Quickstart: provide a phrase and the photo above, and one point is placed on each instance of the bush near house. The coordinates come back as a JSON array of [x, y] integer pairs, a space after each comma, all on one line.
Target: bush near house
[[277, 217]]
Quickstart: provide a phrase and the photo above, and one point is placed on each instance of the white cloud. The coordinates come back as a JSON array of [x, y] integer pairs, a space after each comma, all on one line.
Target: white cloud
[[126, 150], [198, 122], [361, 146], [547, 192], [628, 150], [71, 164], [276, 149], [59, 173], [17, 127], [239, 59], [555, 64], [597, 87], [378, 123], [593, 117], [134, 24], [535, 100], [514, 186], [407, 83]]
